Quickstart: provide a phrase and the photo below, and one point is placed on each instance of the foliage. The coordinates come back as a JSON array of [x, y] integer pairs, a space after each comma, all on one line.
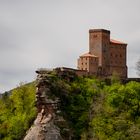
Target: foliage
[[93, 109], [115, 78], [120, 116], [77, 98], [17, 112], [96, 110]]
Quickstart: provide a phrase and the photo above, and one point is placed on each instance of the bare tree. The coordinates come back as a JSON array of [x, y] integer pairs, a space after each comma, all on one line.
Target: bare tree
[[138, 67]]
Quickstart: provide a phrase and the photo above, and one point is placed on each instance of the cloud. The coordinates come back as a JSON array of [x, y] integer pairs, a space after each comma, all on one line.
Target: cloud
[[54, 33]]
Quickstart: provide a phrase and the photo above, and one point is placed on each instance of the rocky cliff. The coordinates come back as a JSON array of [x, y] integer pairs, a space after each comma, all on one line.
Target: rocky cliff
[[50, 123]]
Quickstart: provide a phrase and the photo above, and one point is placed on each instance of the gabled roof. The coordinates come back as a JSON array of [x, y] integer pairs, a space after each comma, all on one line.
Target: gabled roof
[[88, 55], [116, 41]]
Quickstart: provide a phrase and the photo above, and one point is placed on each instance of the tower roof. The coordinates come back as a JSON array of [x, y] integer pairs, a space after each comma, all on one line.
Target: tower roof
[[99, 30], [88, 55], [116, 42]]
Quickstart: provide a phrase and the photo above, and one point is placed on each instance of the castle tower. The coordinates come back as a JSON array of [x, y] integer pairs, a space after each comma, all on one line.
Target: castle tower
[[99, 42], [118, 55]]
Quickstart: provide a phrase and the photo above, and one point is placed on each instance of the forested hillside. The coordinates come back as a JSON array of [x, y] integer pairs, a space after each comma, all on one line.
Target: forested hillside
[[93, 108], [17, 112]]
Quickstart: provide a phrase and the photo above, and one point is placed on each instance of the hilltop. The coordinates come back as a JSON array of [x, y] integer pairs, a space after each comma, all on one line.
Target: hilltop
[[86, 109]]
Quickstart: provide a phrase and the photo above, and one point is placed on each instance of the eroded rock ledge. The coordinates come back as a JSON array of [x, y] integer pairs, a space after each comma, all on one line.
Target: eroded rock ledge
[[49, 123]]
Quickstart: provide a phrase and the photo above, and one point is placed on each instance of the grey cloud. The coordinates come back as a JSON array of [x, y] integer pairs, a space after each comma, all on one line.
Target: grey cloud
[[40, 33]]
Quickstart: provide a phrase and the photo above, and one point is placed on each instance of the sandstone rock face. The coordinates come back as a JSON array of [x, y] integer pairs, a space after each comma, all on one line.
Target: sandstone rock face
[[46, 131], [49, 121]]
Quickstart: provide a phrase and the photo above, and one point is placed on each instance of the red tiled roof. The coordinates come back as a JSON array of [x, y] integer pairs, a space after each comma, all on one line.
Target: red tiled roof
[[116, 41], [88, 55]]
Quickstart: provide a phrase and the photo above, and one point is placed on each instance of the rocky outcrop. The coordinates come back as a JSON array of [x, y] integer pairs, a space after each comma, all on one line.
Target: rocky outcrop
[[49, 123]]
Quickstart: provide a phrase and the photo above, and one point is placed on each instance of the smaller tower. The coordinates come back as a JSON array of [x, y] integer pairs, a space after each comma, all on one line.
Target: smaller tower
[[89, 63]]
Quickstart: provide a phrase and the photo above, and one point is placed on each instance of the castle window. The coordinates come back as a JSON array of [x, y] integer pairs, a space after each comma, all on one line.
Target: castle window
[[94, 36], [85, 63], [120, 55], [82, 63], [104, 50]]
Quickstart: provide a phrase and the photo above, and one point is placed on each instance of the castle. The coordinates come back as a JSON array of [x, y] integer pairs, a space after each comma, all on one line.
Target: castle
[[105, 57]]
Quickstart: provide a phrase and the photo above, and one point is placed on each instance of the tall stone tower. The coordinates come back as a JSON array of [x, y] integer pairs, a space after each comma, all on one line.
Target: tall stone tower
[[99, 42]]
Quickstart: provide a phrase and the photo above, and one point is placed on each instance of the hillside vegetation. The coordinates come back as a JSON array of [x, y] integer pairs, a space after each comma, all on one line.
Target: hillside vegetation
[[17, 112], [94, 110]]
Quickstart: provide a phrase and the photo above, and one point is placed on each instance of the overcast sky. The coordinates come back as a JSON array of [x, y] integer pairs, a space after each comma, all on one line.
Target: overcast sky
[[50, 33]]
